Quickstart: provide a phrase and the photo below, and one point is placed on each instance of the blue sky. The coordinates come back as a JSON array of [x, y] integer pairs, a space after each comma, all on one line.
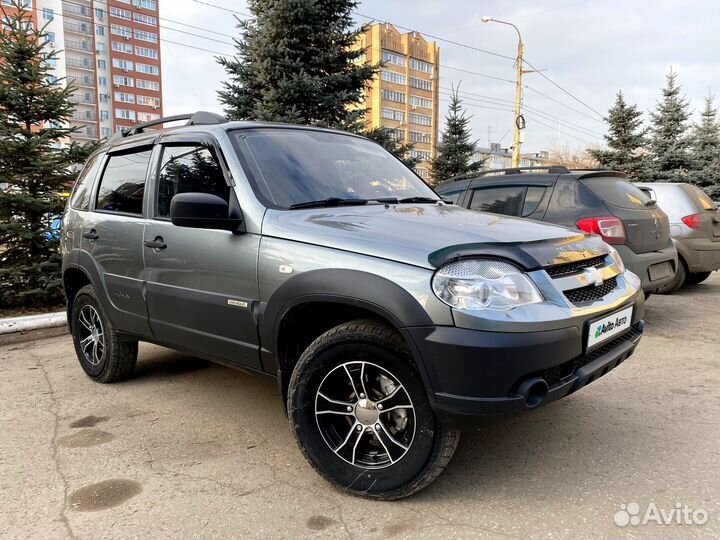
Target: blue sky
[[591, 49]]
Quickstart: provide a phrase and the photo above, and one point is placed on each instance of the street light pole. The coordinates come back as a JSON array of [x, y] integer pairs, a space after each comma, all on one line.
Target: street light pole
[[518, 120]]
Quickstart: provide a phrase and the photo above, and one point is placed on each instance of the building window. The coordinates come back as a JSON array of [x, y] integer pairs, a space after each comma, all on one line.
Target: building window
[[99, 30], [119, 46], [148, 117], [393, 114], [104, 98], [149, 101], [420, 119], [105, 132], [416, 101], [391, 95], [121, 13], [391, 76], [422, 155], [421, 84], [102, 81], [397, 134], [392, 58], [146, 53], [99, 14], [52, 80], [102, 64], [142, 35], [122, 97], [147, 4], [125, 65], [419, 65], [148, 85], [145, 19], [419, 137], [125, 114], [422, 172], [147, 69], [118, 30], [123, 81], [100, 47], [51, 37], [48, 14], [104, 115]]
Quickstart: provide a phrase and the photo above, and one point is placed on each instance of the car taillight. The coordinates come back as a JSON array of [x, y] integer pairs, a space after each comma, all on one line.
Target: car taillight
[[610, 229], [692, 221]]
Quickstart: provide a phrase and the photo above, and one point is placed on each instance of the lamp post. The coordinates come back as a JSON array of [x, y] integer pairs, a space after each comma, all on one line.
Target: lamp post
[[519, 120]]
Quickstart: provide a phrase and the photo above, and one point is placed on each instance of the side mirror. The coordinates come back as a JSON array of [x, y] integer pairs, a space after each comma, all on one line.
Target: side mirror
[[202, 211]]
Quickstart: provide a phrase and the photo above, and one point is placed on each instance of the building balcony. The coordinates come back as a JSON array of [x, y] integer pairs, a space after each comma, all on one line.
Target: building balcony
[[81, 100], [85, 82], [77, 11], [80, 64], [82, 46], [83, 29], [88, 117]]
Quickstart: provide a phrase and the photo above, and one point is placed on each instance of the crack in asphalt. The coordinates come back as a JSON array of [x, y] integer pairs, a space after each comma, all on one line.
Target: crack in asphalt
[[53, 410]]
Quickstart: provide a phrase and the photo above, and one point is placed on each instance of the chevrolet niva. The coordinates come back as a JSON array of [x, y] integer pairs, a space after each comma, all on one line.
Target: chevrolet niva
[[391, 319]]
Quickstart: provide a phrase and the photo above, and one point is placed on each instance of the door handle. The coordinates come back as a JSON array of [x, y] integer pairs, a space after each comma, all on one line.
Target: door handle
[[92, 235], [158, 243]]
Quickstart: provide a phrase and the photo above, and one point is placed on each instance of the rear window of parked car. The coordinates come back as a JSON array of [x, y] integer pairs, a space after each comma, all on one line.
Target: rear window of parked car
[[123, 183], [617, 192]]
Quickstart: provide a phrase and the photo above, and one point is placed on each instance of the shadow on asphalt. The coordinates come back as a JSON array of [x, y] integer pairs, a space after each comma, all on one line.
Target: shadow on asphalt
[[171, 364]]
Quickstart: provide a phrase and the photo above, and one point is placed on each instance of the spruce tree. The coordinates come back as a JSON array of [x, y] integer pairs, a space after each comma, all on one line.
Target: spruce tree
[[625, 139], [669, 142], [32, 163], [297, 62], [706, 150], [456, 146]]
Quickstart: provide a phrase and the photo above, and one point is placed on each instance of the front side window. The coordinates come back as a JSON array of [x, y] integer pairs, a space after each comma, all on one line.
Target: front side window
[[291, 166], [188, 169], [507, 200], [123, 183]]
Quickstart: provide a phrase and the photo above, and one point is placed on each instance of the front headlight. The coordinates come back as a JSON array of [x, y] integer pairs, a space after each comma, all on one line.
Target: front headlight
[[474, 284], [617, 259]]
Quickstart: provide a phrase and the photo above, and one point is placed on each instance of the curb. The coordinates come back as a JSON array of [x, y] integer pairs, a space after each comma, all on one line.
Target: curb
[[12, 325]]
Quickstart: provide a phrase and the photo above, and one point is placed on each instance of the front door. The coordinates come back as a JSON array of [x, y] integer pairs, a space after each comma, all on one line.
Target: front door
[[202, 284]]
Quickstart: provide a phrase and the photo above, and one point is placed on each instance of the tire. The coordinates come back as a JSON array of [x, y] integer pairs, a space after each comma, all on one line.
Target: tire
[[332, 375], [696, 278], [102, 353], [678, 281]]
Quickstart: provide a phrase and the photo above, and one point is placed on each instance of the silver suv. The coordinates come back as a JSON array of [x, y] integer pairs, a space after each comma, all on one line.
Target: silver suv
[[694, 227], [390, 319]]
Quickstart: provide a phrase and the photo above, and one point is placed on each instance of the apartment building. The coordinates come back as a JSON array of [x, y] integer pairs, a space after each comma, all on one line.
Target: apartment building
[[404, 95], [109, 50]]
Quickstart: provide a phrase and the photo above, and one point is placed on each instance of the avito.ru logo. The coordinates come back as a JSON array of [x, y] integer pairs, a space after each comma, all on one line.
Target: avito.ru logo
[[609, 326]]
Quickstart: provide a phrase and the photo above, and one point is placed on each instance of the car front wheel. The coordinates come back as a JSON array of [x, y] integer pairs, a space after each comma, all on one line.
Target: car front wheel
[[361, 415]]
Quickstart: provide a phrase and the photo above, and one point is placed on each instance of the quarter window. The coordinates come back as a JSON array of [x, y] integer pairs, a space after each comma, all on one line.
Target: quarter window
[[188, 169], [532, 199], [123, 183], [506, 200], [81, 195]]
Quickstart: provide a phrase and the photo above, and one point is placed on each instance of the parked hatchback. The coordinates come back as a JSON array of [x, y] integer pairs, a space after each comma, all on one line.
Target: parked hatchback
[[599, 202], [695, 228], [390, 319]]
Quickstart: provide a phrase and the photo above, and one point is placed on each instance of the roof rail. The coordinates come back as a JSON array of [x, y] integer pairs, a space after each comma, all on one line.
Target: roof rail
[[551, 169], [195, 119]]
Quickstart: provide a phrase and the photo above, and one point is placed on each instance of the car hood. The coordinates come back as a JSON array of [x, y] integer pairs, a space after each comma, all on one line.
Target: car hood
[[428, 235]]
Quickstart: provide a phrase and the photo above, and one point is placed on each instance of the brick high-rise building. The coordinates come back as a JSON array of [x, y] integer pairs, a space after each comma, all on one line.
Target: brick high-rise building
[[404, 95], [110, 52]]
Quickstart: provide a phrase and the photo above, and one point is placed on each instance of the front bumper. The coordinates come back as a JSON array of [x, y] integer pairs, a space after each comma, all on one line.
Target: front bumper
[[473, 375], [640, 264]]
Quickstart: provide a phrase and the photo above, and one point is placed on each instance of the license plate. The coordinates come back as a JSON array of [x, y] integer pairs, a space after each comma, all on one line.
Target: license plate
[[609, 326], [660, 270]]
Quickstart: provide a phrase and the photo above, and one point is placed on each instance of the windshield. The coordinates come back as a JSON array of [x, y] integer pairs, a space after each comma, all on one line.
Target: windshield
[[293, 166]]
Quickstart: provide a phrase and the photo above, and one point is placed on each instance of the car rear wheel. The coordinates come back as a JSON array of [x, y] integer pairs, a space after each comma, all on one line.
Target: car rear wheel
[[361, 415], [695, 278], [678, 281], [102, 353]]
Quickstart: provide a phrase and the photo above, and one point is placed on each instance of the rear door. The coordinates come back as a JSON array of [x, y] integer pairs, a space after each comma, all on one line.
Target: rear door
[[202, 288], [647, 227]]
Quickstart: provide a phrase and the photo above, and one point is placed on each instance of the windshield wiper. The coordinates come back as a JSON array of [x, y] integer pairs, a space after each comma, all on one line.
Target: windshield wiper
[[418, 200], [330, 201]]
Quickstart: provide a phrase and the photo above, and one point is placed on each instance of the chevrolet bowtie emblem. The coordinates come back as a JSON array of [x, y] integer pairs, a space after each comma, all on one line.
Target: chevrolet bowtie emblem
[[593, 275]]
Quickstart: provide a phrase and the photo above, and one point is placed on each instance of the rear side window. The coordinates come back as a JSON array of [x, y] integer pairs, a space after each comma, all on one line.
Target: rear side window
[[617, 192], [506, 200], [533, 198], [188, 169], [123, 183], [453, 195], [81, 194]]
